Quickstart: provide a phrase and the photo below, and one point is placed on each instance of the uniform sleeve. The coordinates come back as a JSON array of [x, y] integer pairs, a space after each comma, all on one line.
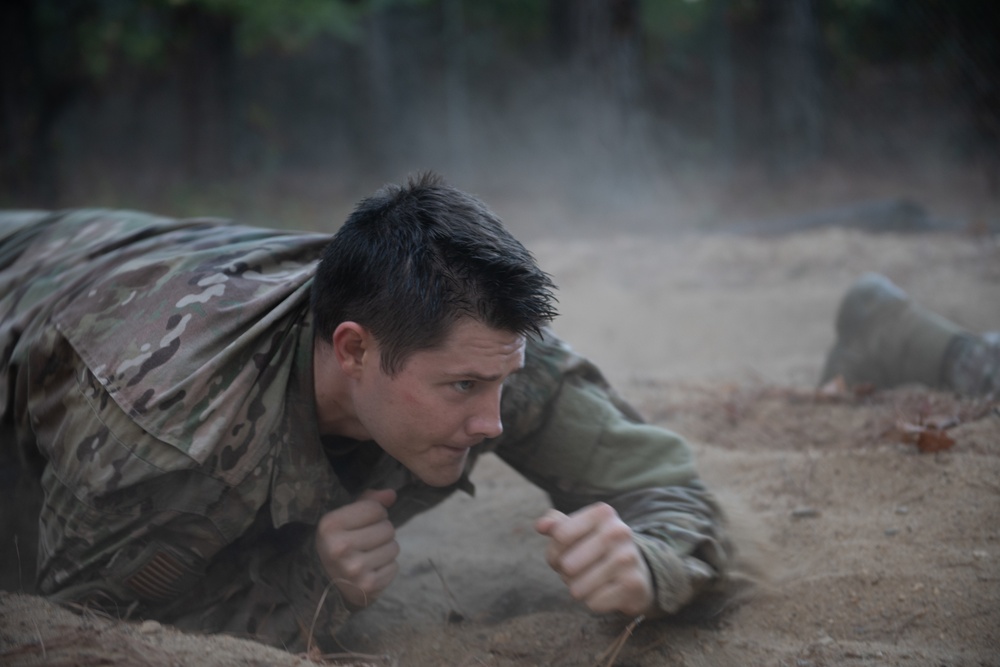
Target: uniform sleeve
[[132, 525], [570, 433]]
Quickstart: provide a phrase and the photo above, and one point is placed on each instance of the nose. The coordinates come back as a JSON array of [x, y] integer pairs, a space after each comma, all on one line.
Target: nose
[[485, 421]]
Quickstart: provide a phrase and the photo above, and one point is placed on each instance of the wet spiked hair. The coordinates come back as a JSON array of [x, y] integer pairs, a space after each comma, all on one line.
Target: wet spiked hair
[[411, 261]]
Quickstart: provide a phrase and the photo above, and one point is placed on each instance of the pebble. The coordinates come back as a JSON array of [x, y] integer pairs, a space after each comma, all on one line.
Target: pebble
[[805, 513], [889, 532], [902, 509], [150, 627]]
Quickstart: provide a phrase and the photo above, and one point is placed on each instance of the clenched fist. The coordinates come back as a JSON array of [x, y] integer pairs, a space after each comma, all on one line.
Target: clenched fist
[[594, 553], [357, 546]]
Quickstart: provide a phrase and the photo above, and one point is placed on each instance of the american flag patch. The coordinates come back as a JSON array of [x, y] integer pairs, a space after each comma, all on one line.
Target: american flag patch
[[160, 579]]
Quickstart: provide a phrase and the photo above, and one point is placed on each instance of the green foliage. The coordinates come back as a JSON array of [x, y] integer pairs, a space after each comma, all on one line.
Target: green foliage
[[519, 20], [95, 34], [676, 22], [137, 32], [288, 24]]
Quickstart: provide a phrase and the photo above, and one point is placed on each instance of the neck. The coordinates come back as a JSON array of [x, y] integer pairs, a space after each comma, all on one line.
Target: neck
[[334, 406]]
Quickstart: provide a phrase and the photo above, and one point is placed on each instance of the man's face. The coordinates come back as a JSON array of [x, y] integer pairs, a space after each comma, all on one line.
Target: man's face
[[442, 402]]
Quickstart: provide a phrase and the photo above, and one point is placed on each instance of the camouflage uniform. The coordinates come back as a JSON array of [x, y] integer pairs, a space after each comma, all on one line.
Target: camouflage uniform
[[157, 374]]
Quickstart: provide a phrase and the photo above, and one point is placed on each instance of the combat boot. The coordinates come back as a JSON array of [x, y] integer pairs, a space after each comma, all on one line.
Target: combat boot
[[885, 339], [972, 364]]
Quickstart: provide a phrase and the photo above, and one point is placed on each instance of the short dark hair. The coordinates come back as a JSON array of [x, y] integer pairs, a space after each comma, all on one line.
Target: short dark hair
[[410, 261]]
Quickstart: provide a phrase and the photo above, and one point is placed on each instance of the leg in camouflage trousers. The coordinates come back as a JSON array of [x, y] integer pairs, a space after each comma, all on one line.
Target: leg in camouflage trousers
[[886, 339]]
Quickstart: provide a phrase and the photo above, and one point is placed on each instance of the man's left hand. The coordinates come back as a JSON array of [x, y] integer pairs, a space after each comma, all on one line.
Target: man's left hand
[[594, 553]]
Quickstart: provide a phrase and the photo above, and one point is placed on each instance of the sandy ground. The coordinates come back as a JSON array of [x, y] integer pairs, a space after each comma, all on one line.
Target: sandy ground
[[855, 547]]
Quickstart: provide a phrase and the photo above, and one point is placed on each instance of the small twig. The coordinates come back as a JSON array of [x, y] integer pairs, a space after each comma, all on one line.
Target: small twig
[[610, 653], [312, 626], [447, 590], [17, 550], [41, 642], [312, 651], [85, 610]]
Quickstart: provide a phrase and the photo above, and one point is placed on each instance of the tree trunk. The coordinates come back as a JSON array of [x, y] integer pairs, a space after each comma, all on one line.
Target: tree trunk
[[599, 42], [456, 86], [795, 86], [381, 127], [206, 86], [33, 94], [722, 74], [600, 39]]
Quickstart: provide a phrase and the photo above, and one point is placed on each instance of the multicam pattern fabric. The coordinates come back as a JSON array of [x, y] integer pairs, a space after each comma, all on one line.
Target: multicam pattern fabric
[[158, 374]]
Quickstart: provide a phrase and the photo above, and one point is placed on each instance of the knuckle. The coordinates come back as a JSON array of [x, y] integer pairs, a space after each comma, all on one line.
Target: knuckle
[[604, 510], [619, 531], [635, 587], [624, 558], [328, 523], [367, 582], [388, 530], [337, 549], [353, 569]]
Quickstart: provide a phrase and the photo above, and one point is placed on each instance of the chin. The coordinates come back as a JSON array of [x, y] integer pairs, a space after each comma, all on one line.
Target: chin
[[440, 478], [441, 481]]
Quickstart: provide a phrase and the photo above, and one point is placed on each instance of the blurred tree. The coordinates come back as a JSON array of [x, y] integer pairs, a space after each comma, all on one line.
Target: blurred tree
[[40, 75], [53, 50], [204, 58], [189, 83], [456, 89], [722, 74], [954, 42], [601, 39], [793, 85]]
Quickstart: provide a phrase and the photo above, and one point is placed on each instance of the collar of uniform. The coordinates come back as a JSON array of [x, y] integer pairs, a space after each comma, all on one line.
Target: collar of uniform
[[304, 485]]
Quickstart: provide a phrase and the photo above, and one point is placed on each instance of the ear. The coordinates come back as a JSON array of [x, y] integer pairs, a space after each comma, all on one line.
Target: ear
[[353, 346]]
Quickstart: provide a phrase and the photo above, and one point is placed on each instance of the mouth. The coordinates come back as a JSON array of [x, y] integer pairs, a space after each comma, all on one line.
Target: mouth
[[458, 450], [463, 448]]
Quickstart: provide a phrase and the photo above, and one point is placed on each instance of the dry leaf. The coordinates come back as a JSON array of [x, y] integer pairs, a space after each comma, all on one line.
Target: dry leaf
[[835, 388], [934, 440], [929, 436]]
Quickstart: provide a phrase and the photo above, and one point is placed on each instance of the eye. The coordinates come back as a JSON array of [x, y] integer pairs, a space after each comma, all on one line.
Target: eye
[[464, 386]]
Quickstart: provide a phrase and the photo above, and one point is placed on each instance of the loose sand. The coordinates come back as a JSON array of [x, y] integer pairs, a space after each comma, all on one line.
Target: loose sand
[[855, 547]]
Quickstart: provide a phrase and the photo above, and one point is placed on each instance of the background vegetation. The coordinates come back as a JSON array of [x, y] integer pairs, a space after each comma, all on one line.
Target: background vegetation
[[289, 110]]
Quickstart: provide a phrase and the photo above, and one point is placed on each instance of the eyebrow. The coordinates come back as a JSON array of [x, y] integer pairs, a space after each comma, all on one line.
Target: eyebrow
[[483, 378]]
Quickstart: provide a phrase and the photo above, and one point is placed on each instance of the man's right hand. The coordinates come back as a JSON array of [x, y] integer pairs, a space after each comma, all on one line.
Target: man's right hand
[[357, 546]]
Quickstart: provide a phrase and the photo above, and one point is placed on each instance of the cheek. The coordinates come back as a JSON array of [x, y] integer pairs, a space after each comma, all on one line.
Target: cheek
[[406, 406], [429, 411], [410, 402]]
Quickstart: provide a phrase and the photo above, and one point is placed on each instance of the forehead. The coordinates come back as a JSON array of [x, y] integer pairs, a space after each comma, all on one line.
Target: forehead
[[472, 343]]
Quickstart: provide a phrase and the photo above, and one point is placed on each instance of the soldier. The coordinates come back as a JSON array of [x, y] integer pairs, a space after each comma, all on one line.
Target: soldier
[[229, 423], [885, 339]]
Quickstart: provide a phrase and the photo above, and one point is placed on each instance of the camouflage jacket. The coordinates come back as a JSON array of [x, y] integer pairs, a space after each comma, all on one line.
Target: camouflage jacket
[[157, 374]]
